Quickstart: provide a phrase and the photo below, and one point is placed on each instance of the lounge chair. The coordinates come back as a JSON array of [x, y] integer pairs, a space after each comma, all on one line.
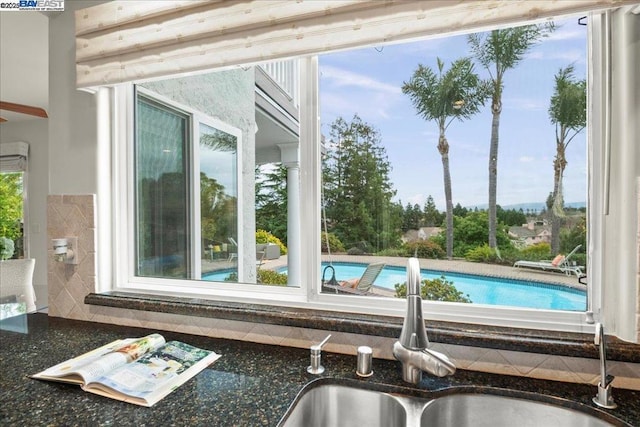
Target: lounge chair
[[233, 249], [361, 286], [559, 264], [260, 258]]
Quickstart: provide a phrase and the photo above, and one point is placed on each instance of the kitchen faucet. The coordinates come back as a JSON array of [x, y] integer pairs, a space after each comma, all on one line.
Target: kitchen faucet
[[603, 399], [411, 349]]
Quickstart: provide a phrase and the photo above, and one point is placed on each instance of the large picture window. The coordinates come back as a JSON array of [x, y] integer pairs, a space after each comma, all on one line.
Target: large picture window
[[388, 153], [468, 152]]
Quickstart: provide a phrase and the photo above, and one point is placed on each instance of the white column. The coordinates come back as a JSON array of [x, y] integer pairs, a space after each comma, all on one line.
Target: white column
[[289, 157]]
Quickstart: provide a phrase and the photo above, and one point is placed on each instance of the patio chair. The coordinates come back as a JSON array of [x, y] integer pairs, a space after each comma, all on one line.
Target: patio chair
[[559, 264], [260, 258], [233, 249], [361, 286]]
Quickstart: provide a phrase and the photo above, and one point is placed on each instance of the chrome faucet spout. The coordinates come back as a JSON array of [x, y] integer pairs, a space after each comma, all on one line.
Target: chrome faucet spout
[[412, 347], [604, 398]]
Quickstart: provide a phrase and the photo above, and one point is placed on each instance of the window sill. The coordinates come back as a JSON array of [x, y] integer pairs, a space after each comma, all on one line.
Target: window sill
[[514, 339]]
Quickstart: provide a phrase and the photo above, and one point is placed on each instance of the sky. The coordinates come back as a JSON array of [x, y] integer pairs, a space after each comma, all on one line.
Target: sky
[[368, 82]]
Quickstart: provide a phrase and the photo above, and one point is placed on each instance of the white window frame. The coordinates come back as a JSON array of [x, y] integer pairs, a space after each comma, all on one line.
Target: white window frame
[[308, 294], [199, 118]]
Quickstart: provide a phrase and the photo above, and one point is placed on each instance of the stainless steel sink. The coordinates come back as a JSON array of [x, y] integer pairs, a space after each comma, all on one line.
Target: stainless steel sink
[[336, 405], [330, 405], [480, 410]]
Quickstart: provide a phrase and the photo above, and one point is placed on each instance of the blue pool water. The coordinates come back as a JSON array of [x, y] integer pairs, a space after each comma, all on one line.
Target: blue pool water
[[480, 289], [218, 275]]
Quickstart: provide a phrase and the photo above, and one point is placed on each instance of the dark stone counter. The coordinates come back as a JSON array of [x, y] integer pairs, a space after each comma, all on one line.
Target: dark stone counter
[[515, 339], [250, 385]]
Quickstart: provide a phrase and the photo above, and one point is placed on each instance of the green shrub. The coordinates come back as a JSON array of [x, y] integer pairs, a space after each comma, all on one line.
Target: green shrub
[[355, 251], [439, 289], [263, 236], [397, 252], [334, 243], [6, 248], [481, 254], [265, 277], [536, 252], [270, 277], [424, 249], [508, 255], [364, 246]]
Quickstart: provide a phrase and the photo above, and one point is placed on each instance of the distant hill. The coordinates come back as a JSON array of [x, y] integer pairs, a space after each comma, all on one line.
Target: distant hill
[[537, 207]]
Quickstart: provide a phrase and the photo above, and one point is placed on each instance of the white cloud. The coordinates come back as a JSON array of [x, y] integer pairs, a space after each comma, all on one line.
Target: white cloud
[[526, 104], [571, 55], [336, 104], [417, 199], [526, 159], [430, 134], [345, 78], [469, 149], [567, 33], [565, 55]]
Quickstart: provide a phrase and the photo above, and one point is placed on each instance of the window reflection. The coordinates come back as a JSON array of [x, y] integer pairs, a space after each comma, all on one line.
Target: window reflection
[[162, 238], [215, 156], [218, 200]]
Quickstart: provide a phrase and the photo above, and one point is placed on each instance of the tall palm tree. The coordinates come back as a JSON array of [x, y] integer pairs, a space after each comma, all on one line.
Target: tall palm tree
[[568, 112], [441, 97], [499, 51]]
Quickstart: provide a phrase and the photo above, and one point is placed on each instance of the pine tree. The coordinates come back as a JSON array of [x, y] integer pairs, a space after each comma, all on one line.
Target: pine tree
[[357, 188]]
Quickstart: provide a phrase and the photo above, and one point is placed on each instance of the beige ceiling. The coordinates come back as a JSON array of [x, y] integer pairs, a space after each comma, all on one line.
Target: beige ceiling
[[24, 62]]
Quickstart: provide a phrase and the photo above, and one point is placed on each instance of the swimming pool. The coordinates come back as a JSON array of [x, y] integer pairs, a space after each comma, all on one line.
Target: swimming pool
[[480, 289]]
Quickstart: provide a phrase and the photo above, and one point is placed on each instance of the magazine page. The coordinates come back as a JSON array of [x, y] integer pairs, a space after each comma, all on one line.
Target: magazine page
[[155, 374], [90, 366]]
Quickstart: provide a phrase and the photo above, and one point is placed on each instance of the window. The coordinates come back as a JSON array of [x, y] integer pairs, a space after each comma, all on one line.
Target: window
[[278, 148], [189, 183], [408, 130], [13, 197], [163, 231], [186, 192]]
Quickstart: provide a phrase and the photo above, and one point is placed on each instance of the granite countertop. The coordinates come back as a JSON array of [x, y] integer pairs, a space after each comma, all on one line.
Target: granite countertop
[[250, 385]]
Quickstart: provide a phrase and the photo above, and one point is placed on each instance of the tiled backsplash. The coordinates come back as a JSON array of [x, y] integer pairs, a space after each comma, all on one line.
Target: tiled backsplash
[[70, 216]]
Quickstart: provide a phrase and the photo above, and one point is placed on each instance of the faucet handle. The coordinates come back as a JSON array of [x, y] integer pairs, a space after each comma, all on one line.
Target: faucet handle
[[318, 347], [316, 367]]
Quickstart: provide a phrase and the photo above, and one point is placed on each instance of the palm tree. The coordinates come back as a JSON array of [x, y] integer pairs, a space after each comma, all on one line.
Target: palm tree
[[568, 112], [499, 51], [443, 97]]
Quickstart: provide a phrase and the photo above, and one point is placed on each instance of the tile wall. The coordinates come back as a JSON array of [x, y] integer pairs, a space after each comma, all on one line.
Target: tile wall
[[638, 260], [74, 215]]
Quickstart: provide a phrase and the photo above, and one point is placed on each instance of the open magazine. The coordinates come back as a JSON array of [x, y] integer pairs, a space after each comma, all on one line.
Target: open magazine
[[135, 370]]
